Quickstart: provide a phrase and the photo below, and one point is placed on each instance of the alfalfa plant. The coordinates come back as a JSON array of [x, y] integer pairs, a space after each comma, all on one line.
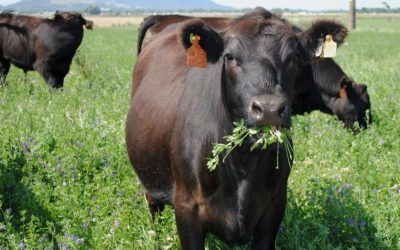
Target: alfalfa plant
[[267, 135]]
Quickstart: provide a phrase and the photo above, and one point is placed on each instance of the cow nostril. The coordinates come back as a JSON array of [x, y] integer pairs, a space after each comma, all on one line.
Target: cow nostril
[[281, 110], [256, 109]]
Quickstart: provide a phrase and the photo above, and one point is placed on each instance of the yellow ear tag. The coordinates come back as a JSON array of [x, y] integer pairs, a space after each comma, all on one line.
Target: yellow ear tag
[[328, 48], [196, 56]]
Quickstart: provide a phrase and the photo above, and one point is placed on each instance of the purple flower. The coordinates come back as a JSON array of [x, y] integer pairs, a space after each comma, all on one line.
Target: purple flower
[[338, 177], [21, 245], [362, 224], [79, 241], [113, 173], [26, 148], [106, 165], [354, 239], [74, 237], [351, 221], [59, 170], [374, 190], [85, 225], [347, 186]]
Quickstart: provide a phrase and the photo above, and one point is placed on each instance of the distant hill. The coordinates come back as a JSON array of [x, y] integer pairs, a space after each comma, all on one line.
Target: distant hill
[[142, 5]]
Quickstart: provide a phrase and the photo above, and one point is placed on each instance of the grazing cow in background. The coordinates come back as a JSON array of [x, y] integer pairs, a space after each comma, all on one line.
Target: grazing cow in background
[[41, 44], [318, 86], [177, 112], [322, 85]]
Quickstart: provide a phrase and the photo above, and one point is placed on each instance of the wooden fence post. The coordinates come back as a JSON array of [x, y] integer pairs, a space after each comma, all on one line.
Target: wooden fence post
[[352, 15]]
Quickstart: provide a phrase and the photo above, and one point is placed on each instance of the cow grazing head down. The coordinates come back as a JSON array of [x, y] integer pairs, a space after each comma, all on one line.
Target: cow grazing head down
[[353, 104], [177, 112], [72, 17], [323, 85]]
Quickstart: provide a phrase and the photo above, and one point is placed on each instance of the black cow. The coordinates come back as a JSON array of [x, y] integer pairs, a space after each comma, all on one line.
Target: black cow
[[41, 44], [177, 112], [318, 86], [322, 85]]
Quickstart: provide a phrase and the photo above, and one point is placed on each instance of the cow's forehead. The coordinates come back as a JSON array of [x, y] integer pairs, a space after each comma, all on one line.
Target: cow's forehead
[[254, 26], [260, 38]]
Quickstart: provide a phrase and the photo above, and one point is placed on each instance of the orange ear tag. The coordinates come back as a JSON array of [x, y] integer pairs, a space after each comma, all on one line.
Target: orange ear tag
[[343, 92], [196, 56]]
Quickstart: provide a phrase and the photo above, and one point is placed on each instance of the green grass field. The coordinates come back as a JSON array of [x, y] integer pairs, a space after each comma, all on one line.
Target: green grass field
[[66, 182]]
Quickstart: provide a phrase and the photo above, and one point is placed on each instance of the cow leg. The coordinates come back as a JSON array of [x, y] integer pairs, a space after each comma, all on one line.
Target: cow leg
[[266, 232], [47, 74], [4, 69], [154, 205], [191, 234], [25, 76], [53, 81]]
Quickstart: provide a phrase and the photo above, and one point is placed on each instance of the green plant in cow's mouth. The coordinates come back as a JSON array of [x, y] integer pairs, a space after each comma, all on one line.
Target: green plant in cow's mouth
[[267, 136]]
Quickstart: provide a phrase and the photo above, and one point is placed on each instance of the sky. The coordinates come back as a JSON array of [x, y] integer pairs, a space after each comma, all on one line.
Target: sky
[[5, 2], [307, 4], [292, 4]]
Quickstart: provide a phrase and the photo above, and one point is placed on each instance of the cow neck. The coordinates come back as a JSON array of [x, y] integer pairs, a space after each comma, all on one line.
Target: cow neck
[[327, 76]]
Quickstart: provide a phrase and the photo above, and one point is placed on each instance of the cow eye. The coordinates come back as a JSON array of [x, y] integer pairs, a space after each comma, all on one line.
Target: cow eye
[[229, 57]]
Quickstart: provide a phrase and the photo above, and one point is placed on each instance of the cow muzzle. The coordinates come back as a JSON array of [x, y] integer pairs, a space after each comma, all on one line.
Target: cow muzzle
[[89, 24], [269, 110]]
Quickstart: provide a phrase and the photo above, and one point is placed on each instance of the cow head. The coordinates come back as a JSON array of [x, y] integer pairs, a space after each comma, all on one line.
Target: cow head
[[353, 104], [73, 17], [260, 55]]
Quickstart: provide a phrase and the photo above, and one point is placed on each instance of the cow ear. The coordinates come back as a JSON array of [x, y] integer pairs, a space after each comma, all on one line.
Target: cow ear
[[345, 86], [210, 40], [58, 16], [313, 38]]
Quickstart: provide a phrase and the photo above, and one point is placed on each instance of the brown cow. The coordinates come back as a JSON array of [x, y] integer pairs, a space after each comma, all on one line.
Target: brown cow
[[177, 113], [318, 85], [41, 44]]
